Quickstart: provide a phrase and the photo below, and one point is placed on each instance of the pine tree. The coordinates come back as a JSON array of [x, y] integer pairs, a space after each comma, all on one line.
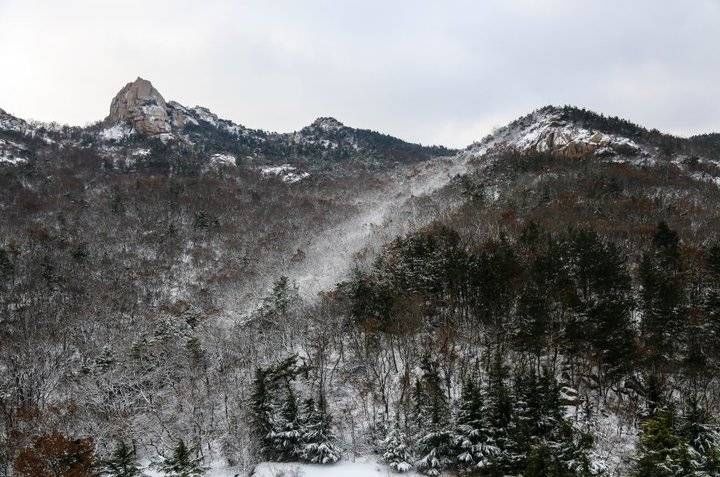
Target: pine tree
[[285, 436], [122, 462], [601, 301], [702, 437], [316, 437], [432, 413], [663, 299], [261, 415], [545, 443], [395, 450], [182, 463], [541, 463], [474, 446], [712, 301], [499, 409], [661, 451]]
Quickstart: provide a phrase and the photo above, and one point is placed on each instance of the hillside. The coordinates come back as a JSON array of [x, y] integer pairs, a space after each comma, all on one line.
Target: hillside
[[546, 298]]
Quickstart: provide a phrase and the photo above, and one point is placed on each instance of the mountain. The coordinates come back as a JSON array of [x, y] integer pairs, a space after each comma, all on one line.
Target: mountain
[[141, 121], [566, 167], [545, 298]]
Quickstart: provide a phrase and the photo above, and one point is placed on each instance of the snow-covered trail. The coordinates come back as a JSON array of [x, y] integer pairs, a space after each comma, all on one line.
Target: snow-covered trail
[[329, 256]]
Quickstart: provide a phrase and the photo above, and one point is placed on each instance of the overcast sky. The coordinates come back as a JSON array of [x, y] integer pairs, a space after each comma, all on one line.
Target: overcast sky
[[442, 72]]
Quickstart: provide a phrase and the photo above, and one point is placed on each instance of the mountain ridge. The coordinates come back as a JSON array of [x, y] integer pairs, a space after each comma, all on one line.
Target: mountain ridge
[[139, 111]]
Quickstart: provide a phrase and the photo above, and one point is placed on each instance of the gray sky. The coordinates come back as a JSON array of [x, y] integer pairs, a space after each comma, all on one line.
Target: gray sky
[[442, 72]]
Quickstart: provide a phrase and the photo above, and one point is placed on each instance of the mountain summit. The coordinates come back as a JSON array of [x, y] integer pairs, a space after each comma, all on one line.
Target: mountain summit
[[141, 105]]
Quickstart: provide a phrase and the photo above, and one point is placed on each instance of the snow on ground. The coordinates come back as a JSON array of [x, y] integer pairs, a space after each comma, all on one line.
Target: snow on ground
[[286, 173], [205, 115], [329, 256], [8, 152], [365, 466], [362, 467], [223, 159], [705, 177], [141, 152], [212, 471], [117, 132], [13, 160]]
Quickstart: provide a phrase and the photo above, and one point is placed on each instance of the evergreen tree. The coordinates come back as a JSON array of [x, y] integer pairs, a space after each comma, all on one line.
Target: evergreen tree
[[711, 305], [122, 462], [182, 463], [475, 448], [541, 463], [702, 437], [286, 435], [663, 291], [661, 451], [395, 450], [499, 409], [283, 298], [316, 437], [544, 440], [432, 414], [601, 300], [261, 420]]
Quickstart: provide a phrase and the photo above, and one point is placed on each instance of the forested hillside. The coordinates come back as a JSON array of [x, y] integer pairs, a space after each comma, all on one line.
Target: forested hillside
[[184, 295]]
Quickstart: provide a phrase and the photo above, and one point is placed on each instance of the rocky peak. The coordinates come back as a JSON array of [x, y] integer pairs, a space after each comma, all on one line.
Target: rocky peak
[[327, 124], [141, 105]]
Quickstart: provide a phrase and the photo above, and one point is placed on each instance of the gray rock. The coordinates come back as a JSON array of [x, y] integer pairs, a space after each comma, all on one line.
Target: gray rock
[[141, 105]]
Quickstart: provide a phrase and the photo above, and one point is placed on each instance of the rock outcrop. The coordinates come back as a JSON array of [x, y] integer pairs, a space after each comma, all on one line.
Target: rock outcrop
[[142, 106], [327, 124], [548, 131]]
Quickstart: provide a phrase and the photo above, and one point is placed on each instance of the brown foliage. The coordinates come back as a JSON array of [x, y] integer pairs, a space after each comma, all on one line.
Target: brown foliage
[[55, 455]]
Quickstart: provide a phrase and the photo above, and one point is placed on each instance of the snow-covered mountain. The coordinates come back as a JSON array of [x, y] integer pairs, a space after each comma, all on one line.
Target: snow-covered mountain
[[160, 267]]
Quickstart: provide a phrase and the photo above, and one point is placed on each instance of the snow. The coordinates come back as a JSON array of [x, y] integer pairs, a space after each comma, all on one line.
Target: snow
[[287, 173], [141, 152], [153, 110], [223, 159], [329, 257], [546, 130], [117, 132], [11, 123], [8, 152], [362, 467], [12, 160], [205, 115], [328, 124], [705, 177], [615, 443]]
